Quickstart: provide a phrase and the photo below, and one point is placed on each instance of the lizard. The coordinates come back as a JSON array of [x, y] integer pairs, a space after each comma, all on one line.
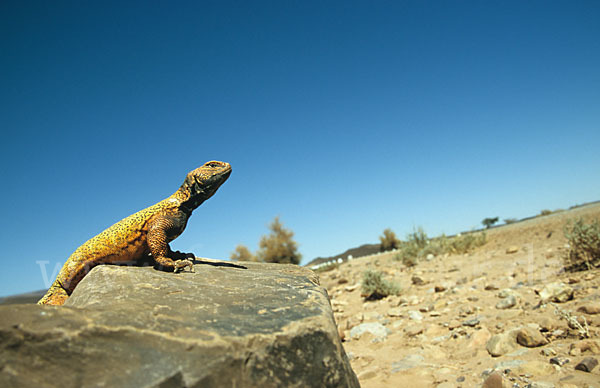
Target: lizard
[[142, 235]]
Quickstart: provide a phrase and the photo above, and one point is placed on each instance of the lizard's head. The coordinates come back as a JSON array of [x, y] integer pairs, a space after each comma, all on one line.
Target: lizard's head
[[200, 184]]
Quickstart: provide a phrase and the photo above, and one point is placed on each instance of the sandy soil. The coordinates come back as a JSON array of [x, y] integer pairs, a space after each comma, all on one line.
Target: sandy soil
[[436, 334]]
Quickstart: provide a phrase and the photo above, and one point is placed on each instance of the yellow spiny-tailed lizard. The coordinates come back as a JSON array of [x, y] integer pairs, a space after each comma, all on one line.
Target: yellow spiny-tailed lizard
[[143, 234]]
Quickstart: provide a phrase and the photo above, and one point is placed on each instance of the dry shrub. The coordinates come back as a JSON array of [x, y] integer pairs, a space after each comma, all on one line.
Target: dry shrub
[[374, 286], [584, 242]]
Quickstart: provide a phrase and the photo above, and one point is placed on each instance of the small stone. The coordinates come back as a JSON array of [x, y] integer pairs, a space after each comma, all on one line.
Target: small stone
[[417, 280], [560, 361], [507, 302], [491, 287], [535, 368], [379, 331], [590, 308], [530, 338], [479, 338], [591, 346], [430, 257], [471, 322], [407, 362], [395, 312], [556, 292], [493, 381], [548, 352], [587, 364], [512, 249], [367, 374], [415, 315], [439, 288], [413, 330], [501, 344], [352, 287]]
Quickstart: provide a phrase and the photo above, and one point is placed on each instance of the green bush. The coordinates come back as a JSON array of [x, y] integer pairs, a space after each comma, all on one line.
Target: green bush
[[545, 212], [388, 240], [279, 246], [466, 243], [374, 286], [242, 253], [508, 221], [418, 246], [584, 242], [487, 222]]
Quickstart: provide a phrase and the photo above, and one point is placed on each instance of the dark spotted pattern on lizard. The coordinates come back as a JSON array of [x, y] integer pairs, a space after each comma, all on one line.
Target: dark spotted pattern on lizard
[[147, 232]]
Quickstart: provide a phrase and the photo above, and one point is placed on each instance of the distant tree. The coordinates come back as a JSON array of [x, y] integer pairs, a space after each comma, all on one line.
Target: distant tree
[[279, 246], [242, 253], [487, 222], [389, 241]]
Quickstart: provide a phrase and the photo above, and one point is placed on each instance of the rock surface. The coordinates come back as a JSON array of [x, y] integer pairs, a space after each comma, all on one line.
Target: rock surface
[[264, 325]]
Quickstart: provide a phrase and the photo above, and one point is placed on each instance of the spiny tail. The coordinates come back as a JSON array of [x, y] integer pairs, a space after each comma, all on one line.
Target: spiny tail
[[56, 295]]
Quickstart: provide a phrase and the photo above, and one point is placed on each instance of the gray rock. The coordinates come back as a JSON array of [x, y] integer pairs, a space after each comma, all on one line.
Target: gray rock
[[413, 330], [501, 344], [493, 381], [556, 292], [379, 331], [590, 308], [506, 303], [471, 322], [415, 315], [587, 364], [530, 337], [407, 362], [560, 361], [268, 325]]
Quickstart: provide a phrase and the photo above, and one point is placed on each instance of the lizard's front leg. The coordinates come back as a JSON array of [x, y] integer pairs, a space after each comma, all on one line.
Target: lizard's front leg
[[159, 233]]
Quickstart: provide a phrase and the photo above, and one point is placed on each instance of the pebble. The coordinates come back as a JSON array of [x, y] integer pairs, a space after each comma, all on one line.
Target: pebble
[[415, 315], [493, 381], [439, 288], [590, 308], [547, 352], [491, 287], [407, 362], [471, 322], [560, 361], [417, 280], [587, 364], [367, 374], [535, 368], [506, 303], [379, 331], [577, 348], [395, 312], [557, 292], [512, 249], [501, 344], [530, 338], [413, 330]]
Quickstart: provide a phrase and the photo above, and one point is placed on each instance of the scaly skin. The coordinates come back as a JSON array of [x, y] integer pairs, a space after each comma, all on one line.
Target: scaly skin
[[147, 232]]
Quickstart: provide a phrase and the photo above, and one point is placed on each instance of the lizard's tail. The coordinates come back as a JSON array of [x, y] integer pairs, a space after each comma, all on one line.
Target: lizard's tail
[[56, 295]]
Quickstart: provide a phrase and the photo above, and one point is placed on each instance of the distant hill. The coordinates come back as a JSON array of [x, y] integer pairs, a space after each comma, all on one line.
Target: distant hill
[[29, 297], [363, 250]]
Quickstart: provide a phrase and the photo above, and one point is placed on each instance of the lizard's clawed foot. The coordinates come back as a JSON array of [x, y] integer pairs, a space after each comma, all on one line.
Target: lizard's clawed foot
[[180, 265]]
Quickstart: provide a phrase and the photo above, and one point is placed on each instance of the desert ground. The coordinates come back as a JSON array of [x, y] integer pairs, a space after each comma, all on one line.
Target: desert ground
[[455, 310]]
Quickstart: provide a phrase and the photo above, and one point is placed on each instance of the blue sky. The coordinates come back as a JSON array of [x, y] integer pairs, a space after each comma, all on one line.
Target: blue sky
[[343, 118]]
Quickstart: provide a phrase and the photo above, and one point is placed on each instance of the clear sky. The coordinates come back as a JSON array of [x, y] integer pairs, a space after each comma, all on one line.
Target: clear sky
[[343, 118]]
